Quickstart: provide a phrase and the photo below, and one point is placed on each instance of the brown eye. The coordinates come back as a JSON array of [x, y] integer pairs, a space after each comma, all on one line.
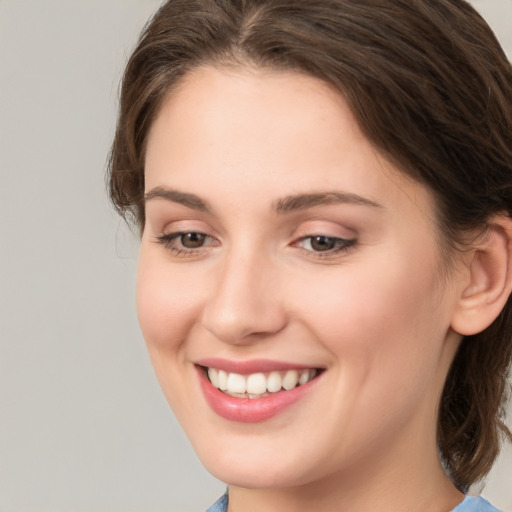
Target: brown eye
[[186, 243], [323, 243], [192, 240]]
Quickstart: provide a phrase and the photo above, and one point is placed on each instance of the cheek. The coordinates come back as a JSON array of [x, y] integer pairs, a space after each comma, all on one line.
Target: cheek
[[166, 301], [385, 336], [166, 306], [381, 318]]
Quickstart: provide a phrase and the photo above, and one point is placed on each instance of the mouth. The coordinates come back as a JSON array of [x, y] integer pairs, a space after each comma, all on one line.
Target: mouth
[[258, 385], [255, 391]]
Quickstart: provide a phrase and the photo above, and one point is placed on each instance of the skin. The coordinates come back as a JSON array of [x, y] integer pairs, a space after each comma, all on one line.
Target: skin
[[375, 315]]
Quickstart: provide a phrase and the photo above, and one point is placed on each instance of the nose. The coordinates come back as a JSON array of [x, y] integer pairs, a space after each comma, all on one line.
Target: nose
[[245, 303]]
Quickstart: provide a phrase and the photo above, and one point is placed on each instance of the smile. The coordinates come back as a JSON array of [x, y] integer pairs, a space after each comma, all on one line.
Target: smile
[[254, 391], [258, 385]]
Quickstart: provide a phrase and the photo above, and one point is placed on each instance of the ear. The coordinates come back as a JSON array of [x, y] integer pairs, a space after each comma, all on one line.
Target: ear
[[488, 280]]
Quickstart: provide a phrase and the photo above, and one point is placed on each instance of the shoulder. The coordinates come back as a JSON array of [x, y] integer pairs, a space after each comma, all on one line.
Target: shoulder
[[470, 504], [475, 504], [221, 505]]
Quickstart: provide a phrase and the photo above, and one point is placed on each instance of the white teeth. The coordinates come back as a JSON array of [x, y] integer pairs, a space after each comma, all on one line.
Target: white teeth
[[260, 384], [306, 376], [213, 375], [236, 383], [291, 379], [223, 380], [256, 384], [274, 382]]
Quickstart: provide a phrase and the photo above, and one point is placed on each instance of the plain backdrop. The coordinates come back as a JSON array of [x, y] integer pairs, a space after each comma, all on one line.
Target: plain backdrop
[[83, 424]]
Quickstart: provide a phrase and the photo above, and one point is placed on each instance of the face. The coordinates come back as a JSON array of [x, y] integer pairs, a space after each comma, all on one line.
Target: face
[[286, 262]]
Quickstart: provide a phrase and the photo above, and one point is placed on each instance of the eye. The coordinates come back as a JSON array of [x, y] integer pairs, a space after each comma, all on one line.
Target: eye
[[192, 240], [324, 244], [184, 243], [320, 243]]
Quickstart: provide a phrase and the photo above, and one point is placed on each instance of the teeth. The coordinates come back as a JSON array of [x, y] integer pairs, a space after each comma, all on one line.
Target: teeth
[[257, 385], [237, 383], [213, 375], [291, 379], [274, 382], [306, 376], [223, 380]]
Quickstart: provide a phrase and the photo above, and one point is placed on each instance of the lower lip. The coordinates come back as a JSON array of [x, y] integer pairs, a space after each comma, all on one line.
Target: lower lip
[[251, 410]]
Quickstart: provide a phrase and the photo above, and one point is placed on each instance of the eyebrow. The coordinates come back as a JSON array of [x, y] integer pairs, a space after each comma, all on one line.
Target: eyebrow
[[305, 201], [189, 200], [283, 205]]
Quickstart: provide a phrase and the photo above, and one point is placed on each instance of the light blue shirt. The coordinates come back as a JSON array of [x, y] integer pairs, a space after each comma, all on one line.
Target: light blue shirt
[[475, 504], [221, 505], [469, 504]]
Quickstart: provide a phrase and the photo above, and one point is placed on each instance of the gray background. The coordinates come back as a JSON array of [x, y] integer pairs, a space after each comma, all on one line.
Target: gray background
[[83, 424]]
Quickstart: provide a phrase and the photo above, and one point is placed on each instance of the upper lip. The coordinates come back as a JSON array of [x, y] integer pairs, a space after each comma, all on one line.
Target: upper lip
[[250, 366]]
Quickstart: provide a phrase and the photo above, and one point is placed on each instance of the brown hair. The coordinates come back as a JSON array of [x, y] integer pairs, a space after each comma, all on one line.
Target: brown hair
[[430, 87]]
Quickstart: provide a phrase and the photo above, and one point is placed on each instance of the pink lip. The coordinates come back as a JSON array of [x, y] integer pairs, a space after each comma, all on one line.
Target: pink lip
[[250, 410], [248, 367]]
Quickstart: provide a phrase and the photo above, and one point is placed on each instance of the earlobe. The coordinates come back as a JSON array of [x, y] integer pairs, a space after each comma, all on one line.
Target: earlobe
[[489, 279]]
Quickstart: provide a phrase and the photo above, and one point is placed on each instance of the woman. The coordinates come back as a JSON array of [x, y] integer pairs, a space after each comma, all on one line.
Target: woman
[[323, 190]]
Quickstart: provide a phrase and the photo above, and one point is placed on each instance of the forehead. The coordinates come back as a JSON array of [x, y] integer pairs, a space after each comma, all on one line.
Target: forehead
[[237, 130], [258, 103]]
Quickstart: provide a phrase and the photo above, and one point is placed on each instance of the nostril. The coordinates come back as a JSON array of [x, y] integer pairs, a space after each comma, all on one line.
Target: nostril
[[244, 303], [243, 325]]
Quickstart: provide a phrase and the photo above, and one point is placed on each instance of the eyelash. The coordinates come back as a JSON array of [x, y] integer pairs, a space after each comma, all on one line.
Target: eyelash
[[342, 245], [169, 242]]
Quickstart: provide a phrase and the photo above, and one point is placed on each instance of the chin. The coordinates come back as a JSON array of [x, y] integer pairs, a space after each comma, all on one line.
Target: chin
[[261, 477], [258, 468]]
